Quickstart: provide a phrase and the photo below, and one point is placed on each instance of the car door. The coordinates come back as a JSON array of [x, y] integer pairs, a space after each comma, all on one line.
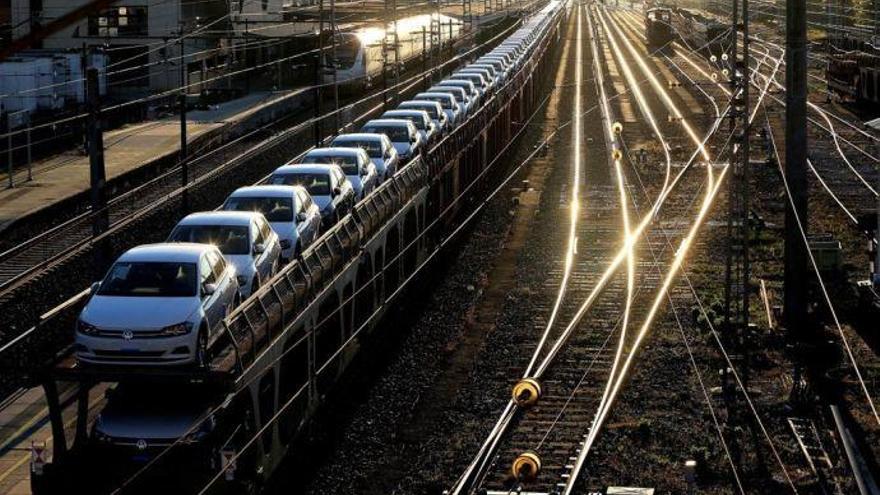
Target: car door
[[210, 302], [305, 227], [260, 259], [226, 287], [272, 250], [314, 215]]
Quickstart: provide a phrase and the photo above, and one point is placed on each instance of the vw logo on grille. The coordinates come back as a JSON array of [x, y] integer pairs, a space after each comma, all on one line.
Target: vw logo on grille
[[142, 444], [127, 335]]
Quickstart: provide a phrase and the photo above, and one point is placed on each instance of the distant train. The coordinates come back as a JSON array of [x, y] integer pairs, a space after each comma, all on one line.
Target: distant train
[[658, 27], [699, 32], [359, 55], [854, 76]]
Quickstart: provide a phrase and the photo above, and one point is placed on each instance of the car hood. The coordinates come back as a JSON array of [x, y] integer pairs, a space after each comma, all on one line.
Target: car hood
[[356, 182], [138, 312], [402, 148], [241, 262], [322, 201], [283, 229]]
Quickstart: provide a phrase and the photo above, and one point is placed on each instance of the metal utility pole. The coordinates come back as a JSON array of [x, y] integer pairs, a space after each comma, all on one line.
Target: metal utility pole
[[97, 174], [184, 158], [319, 72], [333, 65], [795, 280]]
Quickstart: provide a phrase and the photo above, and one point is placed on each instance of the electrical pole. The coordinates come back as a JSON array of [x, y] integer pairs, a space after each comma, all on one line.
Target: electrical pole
[[333, 66], [97, 174], [319, 71], [795, 280], [184, 158]]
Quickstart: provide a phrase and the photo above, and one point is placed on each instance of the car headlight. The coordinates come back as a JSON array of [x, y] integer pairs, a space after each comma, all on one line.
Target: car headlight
[[177, 329], [86, 328]]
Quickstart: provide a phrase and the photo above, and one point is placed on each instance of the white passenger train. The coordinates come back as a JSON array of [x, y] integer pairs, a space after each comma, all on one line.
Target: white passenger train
[[359, 56]]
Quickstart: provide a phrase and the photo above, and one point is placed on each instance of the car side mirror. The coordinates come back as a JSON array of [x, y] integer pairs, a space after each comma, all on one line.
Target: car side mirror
[[364, 172], [94, 288], [301, 216], [209, 289], [259, 248], [337, 191]]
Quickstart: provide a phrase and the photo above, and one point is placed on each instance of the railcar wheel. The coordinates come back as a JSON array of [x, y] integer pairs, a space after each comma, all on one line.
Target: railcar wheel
[[526, 392]]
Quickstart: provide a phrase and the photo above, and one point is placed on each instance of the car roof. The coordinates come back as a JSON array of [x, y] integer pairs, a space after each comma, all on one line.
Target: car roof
[[444, 89], [180, 252], [389, 122], [220, 217], [358, 136], [338, 151], [407, 111], [306, 168], [419, 102], [265, 191], [456, 82], [433, 94]]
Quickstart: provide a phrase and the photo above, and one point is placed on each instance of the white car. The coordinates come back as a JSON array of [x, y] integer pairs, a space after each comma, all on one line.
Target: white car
[[326, 184], [434, 110], [356, 164], [454, 113], [245, 239], [477, 78], [290, 211], [378, 147], [464, 103], [158, 305], [470, 89], [420, 118], [403, 135]]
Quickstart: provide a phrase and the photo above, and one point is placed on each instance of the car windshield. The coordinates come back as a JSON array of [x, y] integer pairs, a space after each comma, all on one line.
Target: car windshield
[[316, 184], [372, 147], [274, 209], [431, 109], [444, 102], [415, 119], [230, 239], [458, 95], [348, 163], [398, 134], [150, 279]]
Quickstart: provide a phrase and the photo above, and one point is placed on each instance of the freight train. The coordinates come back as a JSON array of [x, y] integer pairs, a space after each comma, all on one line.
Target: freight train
[[225, 426]]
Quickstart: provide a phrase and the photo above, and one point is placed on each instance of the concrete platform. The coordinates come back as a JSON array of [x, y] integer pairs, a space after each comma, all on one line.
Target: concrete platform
[[63, 176]]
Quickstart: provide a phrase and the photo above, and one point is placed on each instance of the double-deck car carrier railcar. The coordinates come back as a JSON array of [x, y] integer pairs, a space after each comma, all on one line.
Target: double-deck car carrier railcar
[[225, 427]]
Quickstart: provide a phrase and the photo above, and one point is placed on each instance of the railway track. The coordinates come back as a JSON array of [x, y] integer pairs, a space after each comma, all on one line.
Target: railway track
[[576, 377]]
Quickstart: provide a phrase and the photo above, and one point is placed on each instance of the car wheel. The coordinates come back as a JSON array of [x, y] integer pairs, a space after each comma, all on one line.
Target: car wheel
[[202, 356]]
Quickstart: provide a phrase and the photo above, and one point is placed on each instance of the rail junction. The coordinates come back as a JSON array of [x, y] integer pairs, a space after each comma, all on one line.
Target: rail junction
[[583, 285]]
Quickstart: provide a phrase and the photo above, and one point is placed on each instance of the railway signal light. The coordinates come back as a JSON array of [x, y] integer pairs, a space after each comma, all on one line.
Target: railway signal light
[[526, 392], [617, 128], [616, 154], [526, 466], [673, 84]]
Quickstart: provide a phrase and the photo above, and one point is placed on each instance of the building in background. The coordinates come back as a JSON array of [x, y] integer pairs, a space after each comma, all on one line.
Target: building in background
[[134, 34]]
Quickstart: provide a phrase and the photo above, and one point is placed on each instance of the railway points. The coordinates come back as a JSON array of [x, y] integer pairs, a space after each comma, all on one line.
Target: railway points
[[558, 269]]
